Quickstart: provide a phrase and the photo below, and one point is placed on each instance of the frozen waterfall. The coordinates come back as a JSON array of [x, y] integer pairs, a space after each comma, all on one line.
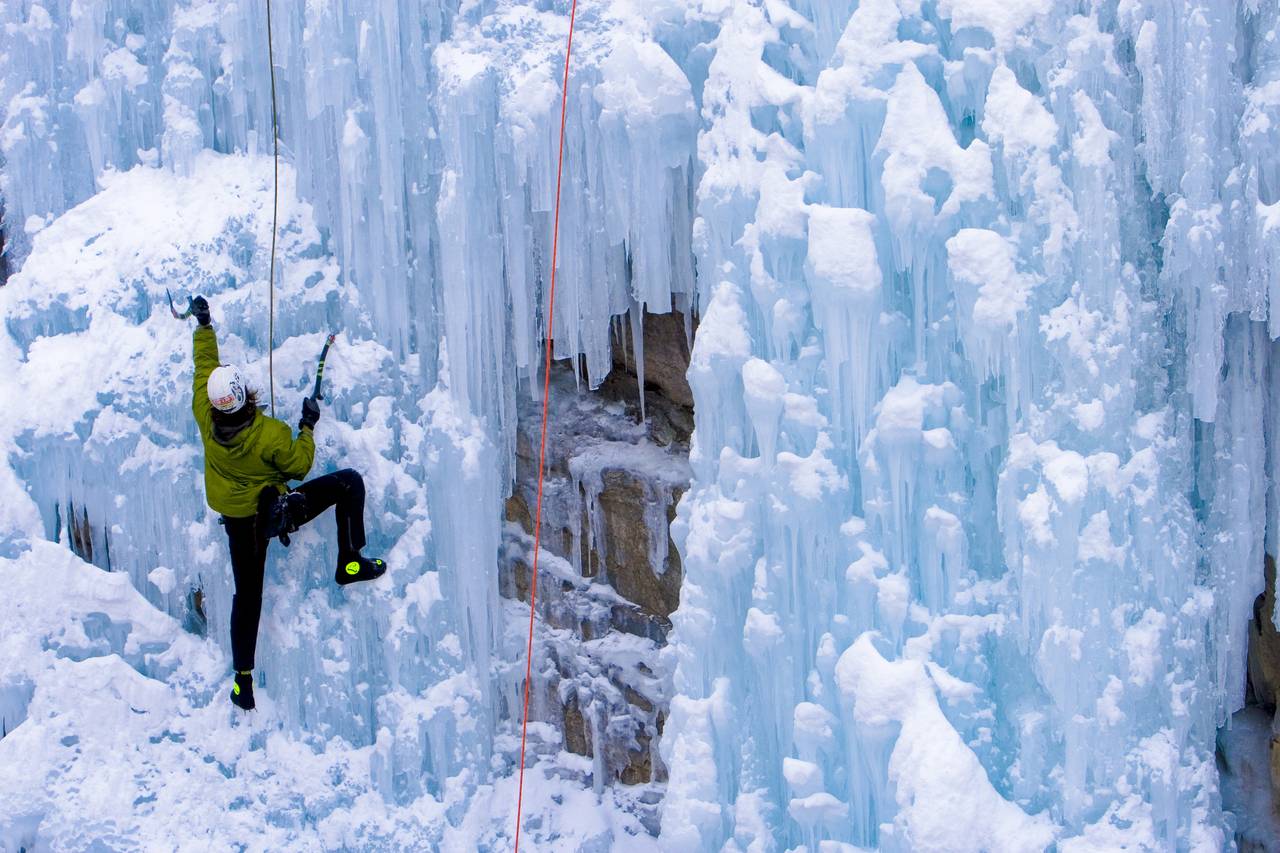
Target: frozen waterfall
[[978, 497]]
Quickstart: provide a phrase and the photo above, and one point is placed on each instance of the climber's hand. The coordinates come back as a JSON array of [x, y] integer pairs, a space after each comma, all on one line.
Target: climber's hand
[[200, 310], [310, 413]]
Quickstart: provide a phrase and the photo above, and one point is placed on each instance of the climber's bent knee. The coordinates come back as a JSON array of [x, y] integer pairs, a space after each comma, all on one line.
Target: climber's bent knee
[[350, 480]]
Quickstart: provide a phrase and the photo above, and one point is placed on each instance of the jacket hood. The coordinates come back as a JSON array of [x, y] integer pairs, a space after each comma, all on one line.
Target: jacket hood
[[230, 433]]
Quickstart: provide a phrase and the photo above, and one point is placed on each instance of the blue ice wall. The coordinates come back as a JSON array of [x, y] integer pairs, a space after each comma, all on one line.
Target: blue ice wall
[[982, 465], [983, 405]]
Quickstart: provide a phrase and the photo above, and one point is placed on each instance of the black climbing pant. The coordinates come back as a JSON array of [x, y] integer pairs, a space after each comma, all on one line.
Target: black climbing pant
[[342, 489]]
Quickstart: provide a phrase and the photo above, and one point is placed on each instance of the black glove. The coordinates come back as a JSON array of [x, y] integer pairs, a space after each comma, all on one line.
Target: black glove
[[200, 310], [310, 413]]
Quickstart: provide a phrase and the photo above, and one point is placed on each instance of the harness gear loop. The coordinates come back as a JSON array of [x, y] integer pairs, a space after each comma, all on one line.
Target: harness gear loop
[[275, 514]]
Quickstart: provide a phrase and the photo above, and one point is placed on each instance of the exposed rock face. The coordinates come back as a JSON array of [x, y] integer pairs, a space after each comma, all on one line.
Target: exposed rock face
[[1264, 643], [609, 575], [1264, 667], [1249, 747], [666, 357]]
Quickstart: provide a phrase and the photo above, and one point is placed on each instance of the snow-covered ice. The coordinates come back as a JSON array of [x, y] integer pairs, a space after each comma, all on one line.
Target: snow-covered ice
[[982, 470]]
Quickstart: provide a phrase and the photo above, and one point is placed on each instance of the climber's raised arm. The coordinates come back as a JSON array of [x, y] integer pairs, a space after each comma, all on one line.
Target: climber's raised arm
[[205, 351]]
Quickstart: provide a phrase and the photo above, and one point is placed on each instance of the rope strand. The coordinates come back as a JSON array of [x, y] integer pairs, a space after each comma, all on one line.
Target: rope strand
[[542, 447], [275, 214]]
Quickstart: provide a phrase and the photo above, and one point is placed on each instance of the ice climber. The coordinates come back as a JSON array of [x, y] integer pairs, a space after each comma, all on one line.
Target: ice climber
[[249, 458]]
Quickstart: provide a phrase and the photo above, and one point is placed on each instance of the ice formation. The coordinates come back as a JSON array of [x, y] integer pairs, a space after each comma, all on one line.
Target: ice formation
[[1011, 283], [981, 470]]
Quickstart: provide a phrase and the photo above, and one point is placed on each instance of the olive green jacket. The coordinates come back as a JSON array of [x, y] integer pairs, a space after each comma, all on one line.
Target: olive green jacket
[[264, 453]]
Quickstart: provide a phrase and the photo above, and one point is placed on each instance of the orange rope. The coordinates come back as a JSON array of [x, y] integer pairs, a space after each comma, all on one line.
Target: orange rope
[[542, 447]]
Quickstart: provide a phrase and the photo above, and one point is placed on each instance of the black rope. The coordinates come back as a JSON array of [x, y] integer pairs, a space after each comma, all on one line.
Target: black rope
[[275, 213]]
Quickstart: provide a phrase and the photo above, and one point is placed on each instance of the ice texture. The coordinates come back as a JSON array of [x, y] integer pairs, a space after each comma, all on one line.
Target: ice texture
[[982, 475], [136, 145], [982, 390]]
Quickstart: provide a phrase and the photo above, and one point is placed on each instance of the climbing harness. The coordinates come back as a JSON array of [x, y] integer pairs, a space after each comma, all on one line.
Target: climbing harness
[[542, 447], [275, 213], [276, 513]]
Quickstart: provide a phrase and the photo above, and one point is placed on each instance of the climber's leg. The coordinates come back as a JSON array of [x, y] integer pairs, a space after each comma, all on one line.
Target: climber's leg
[[248, 559], [343, 490]]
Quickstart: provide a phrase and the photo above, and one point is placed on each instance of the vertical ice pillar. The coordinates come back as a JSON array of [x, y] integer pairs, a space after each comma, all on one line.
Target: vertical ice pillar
[[959, 271], [1184, 58]]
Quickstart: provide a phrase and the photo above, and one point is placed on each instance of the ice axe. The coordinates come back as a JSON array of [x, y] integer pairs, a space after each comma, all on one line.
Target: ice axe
[[174, 311], [324, 353]]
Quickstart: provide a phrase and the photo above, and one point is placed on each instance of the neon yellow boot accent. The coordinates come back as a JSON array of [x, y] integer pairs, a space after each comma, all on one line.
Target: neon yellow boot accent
[[352, 568], [235, 689]]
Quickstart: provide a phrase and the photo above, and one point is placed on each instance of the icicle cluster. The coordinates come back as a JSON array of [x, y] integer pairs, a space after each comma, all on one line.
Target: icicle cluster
[[982, 387], [982, 476]]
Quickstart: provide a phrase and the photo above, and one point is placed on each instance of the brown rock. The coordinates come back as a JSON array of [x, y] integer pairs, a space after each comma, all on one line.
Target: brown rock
[[577, 738], [627, 547], [1264, 664], [636, 699], [666, 355], [517, 511], [640, 768], [1264, 643], [646, 596]]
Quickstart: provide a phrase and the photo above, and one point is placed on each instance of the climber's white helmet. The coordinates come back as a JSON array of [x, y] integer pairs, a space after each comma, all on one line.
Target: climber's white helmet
[[226, 388]]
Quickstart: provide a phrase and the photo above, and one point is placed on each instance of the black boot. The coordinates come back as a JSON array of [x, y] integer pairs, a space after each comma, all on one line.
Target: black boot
[[358, 568], [242, 691]]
